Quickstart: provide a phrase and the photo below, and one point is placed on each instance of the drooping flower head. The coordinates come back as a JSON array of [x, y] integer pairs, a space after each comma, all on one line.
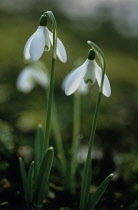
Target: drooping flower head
[[89, 72], [32, 75], [41, 41]]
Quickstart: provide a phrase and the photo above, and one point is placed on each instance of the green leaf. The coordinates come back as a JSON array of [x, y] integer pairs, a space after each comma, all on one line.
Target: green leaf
[[38, 149], [24, 176], [98, 194], [30, 182], [86, 183], [43, 176], [58, 140]]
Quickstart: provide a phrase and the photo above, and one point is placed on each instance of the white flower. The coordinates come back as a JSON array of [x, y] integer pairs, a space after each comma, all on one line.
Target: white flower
[[40, 41], [31, 76], [89, 72]]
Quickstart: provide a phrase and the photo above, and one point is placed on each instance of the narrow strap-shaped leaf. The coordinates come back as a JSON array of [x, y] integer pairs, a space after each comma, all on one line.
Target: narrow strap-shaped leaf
[[98, 194], [38, 149], [58, 139], [30, 182], [75, 139], [86, 183], [43, 176], [23, 176]]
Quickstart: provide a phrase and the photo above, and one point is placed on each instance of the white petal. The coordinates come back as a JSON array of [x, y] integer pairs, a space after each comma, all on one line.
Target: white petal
[[61, 52], [27, 48], [106, 85], [40, 77], [90, 73], [82, 89], [24, 80], [29, 77], [65, 80], [75, 79], [47, 40], [38, 43]]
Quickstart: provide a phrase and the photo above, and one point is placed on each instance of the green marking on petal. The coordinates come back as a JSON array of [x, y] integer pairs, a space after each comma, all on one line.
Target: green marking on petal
[[89, 81], [46, 48]]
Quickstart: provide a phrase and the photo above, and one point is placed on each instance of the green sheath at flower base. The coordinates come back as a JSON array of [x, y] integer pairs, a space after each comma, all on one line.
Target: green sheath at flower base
[[43, 20], [91, 54]]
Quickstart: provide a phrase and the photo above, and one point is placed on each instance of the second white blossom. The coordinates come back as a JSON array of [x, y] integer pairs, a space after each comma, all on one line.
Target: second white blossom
[[89, 72]]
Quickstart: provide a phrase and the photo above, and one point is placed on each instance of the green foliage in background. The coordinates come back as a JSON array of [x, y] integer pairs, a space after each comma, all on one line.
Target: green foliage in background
[[116, 130]]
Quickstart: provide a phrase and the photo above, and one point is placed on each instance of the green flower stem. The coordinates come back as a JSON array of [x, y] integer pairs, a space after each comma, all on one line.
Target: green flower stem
[[50, 15], [75, 140], [86, 189], [49, 107], [58, 139], [87, 168], [76, 122]]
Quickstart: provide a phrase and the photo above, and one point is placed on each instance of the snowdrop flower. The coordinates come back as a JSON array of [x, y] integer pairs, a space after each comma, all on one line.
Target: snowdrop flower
[[29, 77], [40, 41], [89, 72]]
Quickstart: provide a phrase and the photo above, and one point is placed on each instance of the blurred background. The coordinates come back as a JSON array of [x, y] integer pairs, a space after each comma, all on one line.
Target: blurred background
[[113, 26]]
